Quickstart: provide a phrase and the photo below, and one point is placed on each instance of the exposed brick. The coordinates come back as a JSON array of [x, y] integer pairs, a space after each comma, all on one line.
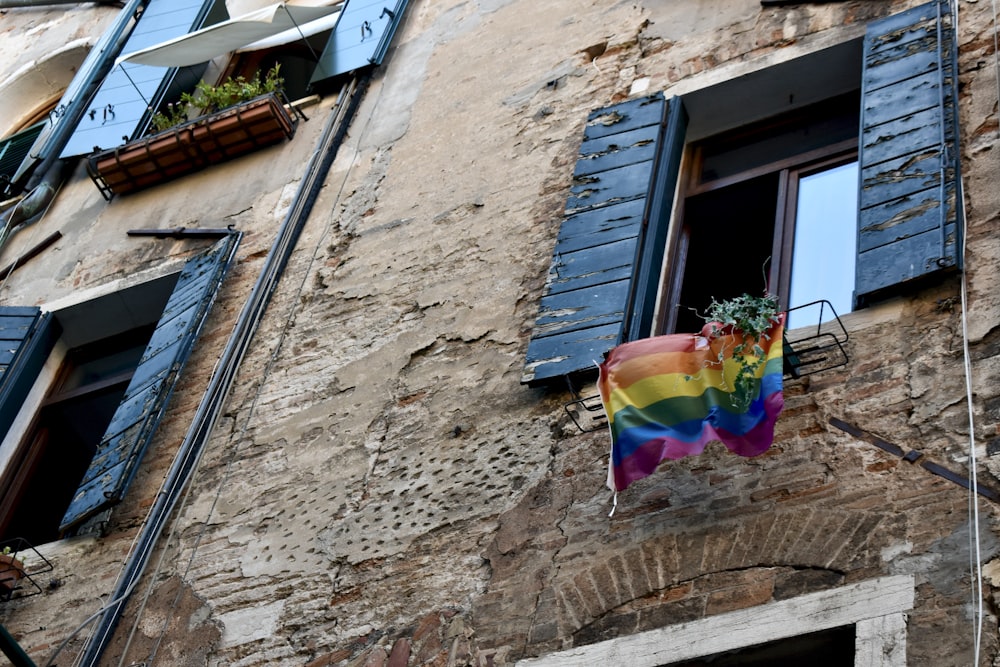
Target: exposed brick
[[798, 582], [400, 654], [428, 624], [590, 595], [740, 597], [681, 611], [329, 659], [607, 627], [608, 587]]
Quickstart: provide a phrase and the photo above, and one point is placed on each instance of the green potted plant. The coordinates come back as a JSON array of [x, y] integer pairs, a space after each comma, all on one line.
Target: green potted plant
[[746, 320], [211, 125], [208, 99]]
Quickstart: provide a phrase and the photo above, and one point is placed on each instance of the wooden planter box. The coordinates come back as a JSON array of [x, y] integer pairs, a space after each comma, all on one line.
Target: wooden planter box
[[194, 145]]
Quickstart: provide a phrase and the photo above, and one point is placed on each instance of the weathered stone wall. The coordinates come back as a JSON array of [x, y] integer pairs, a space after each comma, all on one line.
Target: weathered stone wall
[[382, 490]]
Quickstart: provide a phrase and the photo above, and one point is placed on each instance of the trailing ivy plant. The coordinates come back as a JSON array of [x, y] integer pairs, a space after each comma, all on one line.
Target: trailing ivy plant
[[209, 99], [749, 319]]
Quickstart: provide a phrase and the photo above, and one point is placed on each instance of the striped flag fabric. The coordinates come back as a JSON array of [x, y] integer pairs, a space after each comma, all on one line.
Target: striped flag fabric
[[666, 397]]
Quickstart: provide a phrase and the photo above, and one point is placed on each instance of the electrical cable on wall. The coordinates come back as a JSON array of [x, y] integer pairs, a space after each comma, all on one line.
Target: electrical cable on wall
[[975, 551]]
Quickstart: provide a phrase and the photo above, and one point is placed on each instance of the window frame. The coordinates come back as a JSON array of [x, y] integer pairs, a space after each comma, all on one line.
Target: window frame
[[788, 170], [33, 441], [876, 607], [602, 284], [133, 426]]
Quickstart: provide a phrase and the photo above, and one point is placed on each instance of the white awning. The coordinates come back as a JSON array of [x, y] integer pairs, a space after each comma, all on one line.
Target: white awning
[[293, 35], [203, 45]]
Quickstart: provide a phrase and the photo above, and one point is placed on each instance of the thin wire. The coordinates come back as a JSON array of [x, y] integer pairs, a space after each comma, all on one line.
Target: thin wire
[[976, 572], [238, 435]]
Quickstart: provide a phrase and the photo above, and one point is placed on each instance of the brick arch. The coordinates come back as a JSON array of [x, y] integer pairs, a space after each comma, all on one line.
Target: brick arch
[[664, 569]]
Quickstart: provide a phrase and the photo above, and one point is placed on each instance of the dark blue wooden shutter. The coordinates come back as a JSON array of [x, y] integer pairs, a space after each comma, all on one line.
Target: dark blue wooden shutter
[[625, 176], [122, 107], [134, 423], [360, 38], [27, 336], [909, 225]]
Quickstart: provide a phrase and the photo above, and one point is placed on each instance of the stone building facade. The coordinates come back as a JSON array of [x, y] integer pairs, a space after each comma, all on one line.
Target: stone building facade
[[359, 476]]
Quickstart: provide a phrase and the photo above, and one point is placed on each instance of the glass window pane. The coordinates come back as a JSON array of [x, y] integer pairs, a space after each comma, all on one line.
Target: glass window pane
[[825, 240]]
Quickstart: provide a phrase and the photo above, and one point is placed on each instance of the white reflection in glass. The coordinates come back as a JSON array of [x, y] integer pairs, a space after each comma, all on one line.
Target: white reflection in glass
[[825, 243]]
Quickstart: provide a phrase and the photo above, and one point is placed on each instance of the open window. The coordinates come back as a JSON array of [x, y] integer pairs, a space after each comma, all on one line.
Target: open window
[[769, 207], [762, 147], [43, 473], [83, 389]]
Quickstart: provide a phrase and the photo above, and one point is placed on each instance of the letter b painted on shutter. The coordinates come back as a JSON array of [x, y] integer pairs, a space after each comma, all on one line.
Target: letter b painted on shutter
[[909, 226], [360, 38], [588, 293], [132, 427], [123, 105]]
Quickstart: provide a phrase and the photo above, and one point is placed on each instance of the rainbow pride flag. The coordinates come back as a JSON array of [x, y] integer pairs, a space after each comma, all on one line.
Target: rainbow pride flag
[[666, 397]]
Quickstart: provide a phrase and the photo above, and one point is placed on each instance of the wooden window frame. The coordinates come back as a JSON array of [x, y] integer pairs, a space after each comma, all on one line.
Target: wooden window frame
[[876, 607], [789, 169], [16, 477]]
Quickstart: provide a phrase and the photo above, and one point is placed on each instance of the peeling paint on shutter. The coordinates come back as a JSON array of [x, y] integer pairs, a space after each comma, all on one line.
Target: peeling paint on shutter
[[360, 38], [134, 422], [583, 310], [121, 108], [908, 223], [27, 336]]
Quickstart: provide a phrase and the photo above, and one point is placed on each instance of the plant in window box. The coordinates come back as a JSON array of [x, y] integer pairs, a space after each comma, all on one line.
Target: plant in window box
[[208, 99], [11, 572], [231, 119], [745, 322]]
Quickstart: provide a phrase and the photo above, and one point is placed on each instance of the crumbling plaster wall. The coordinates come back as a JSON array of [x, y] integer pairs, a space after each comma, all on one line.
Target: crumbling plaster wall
[[95, 257], [382, 490], [391, 477], [40, 50]]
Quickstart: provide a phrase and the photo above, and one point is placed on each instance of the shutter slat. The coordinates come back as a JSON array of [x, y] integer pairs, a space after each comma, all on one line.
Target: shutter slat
[[599, 226], [132, 427], [901, 135], [900, 218], [610, 186], [616, 150], [15, 148], [896, 258], [901, 177], [582, 312], [593, 266], [603, 304], [360, 38], [908, 226], [915, 95]]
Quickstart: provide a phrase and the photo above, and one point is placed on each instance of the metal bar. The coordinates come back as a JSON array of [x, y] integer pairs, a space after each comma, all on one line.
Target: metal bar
[[914, 456], [182, 233], [305, 40], [33, 251]]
